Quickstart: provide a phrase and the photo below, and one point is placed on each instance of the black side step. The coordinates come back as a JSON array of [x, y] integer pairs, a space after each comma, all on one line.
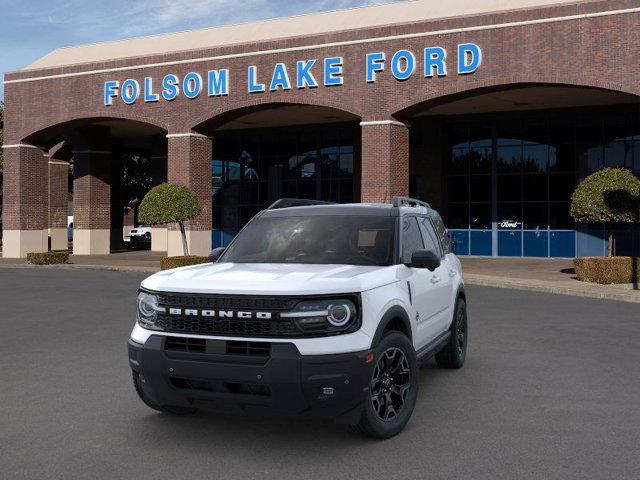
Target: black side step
[[430, 349]]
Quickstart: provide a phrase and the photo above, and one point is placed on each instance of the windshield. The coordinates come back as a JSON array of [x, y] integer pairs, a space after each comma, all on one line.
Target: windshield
[[317, 239]]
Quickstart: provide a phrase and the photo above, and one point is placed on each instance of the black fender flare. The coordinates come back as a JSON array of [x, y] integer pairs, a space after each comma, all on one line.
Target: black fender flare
[[394, 312], [459, 294]]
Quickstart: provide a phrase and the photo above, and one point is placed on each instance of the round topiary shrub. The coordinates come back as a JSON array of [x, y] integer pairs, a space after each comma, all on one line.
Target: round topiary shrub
[[170, 203], [611, 195]]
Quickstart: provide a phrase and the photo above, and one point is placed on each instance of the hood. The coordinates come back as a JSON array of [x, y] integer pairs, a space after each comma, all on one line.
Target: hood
[[268, 278]]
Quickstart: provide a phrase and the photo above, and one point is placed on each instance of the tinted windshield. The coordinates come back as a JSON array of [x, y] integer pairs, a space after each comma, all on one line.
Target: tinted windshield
[[349, 240]]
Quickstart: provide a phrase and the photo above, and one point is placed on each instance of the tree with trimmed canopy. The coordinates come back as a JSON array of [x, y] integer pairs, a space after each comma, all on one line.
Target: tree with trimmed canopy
[[611, 195], [170, 203]]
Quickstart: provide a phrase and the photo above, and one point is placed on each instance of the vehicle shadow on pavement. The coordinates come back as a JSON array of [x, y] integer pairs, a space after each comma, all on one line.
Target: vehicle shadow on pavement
[[211, 429]]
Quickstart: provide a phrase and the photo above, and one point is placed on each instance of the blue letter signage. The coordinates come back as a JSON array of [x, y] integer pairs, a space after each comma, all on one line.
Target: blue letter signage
[[430, 62]]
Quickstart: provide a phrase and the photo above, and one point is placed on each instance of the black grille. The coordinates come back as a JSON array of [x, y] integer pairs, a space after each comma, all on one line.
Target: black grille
[[221, 317], [223, 387], [227, 326], [186, 344], [259, 349], [250, 327], [249, 389], [193, 384], [226, 302]]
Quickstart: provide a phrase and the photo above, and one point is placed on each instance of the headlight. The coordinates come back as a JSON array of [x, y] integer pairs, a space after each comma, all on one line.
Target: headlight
[[330, 315], [148, 309]]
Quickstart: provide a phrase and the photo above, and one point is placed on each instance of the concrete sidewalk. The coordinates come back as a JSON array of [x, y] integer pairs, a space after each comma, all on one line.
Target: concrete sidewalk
[[539, 275], [139, 261]]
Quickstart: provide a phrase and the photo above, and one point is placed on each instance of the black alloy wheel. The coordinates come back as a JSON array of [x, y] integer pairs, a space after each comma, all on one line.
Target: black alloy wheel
[[393, 388], [390, 384]]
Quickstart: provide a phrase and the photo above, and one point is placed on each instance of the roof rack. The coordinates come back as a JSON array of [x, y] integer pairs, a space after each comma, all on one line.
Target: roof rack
[[296, 202], [408, 202]]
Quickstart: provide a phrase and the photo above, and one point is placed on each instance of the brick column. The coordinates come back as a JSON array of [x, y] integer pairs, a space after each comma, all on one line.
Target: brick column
[[92, 192], [58, 191], [159, 175], [385, 160], [116, 240], [189, 164], [25, 212]]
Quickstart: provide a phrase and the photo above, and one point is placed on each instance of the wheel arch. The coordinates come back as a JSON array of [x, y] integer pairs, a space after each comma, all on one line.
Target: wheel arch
[[395, 318], [461, 293]]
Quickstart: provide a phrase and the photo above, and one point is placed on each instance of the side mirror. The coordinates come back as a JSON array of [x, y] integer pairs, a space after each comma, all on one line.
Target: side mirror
[[215, 254], [425, 259]]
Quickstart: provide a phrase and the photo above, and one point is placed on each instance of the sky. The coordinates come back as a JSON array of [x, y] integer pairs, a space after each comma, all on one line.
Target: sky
[[29, 29]]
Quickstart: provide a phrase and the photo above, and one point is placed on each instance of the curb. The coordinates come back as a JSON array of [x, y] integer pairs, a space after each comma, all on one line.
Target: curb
[[578, 291], [74, 266]]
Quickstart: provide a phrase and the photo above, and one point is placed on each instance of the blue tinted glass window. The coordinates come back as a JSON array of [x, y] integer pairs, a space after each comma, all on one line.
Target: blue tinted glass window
[[532, 164], [618, 154], [510, 216], [480, 216], [253, 168], [459, 163], [510, 159], [535, 216], [481, 188], [458, 188], [535, 158], [509, 188], [458, 215], [535, 188]]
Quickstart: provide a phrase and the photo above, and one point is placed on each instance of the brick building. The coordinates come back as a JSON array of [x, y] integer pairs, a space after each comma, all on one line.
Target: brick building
[[491, 110]]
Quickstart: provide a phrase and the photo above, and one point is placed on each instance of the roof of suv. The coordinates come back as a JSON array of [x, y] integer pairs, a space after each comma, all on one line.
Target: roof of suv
[[368, 209]]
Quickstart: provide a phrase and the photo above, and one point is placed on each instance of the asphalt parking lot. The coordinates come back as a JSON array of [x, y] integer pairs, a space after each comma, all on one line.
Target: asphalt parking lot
[[551, 389]]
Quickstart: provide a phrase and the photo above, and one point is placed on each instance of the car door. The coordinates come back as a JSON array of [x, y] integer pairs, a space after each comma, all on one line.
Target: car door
[[423, 288], [441, 277]]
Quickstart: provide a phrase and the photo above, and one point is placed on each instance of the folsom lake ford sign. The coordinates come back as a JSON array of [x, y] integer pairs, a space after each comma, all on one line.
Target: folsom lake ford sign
[[309, 73]]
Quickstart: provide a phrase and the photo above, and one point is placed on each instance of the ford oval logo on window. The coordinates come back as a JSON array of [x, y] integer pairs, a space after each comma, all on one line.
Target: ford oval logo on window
[[509, 224]]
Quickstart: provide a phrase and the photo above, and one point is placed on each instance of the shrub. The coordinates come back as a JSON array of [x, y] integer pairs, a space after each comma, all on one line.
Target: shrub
[[169, 203], [167, 263], [607, 270], [48, 258], [611, 195]]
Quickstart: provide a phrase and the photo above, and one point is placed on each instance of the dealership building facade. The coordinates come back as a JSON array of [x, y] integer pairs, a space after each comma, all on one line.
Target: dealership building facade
[[491, 110]]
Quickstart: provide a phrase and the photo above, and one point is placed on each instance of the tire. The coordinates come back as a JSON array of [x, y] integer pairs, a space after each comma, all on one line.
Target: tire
[[164, 409], [381, 418], [455, 351], [147, 237]]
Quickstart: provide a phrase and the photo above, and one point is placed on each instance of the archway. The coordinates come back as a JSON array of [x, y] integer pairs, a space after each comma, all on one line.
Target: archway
[[501, 164], [266, 152], [113, 162]]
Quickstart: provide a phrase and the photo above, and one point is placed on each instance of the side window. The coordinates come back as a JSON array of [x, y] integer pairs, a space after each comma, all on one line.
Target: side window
[[430, 238], [442, 233], [411, 238]]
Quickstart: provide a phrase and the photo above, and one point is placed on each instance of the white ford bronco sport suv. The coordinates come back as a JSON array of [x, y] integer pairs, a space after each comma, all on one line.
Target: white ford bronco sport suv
[[315, 309]]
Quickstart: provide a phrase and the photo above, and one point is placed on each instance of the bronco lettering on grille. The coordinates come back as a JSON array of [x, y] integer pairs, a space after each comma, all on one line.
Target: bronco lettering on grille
[[192, 312]]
